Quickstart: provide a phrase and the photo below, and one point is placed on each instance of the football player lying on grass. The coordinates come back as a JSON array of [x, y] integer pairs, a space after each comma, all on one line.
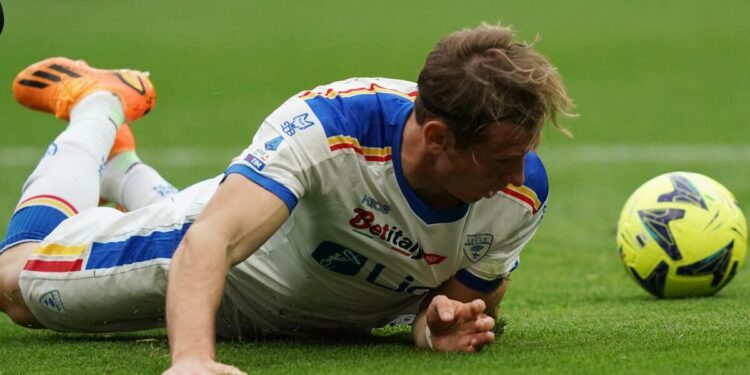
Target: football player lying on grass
[[357, 203]]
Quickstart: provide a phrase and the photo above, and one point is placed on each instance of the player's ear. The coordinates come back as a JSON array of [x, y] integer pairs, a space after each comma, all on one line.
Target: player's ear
[[438, 137]]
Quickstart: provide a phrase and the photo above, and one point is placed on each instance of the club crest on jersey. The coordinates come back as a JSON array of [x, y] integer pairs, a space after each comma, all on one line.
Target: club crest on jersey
[[477, 245], [298, 123], [391, 237], [273, 144]]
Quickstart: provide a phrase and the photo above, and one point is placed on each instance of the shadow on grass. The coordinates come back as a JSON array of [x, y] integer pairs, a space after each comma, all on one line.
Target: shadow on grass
[[160, 336], [398, 336]]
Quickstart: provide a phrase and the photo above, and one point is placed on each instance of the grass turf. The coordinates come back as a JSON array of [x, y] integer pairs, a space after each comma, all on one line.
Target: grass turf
[[643, 73]]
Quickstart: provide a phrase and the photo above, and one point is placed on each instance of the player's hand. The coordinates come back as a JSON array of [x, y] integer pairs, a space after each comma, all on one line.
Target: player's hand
[[202, 367], [458, 326]]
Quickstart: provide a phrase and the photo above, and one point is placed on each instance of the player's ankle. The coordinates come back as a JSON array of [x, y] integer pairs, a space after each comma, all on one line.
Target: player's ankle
[[125, 160], [99, 104]]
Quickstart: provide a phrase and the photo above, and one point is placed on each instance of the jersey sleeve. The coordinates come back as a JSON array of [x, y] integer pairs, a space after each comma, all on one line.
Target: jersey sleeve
[[283, 152], [502, 258], [503, 255]]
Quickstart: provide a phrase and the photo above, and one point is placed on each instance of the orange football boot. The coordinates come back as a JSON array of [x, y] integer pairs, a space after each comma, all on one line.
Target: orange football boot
[[56, 84], [124, 141]]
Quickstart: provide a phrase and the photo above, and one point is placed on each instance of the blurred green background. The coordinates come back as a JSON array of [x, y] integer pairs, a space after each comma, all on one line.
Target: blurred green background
[[659, 85], [641, 72]]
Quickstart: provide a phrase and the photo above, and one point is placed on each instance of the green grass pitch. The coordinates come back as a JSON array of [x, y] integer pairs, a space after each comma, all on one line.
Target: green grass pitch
[[660, 86]]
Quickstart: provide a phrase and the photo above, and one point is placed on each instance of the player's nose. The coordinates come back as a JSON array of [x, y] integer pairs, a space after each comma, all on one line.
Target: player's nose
[[516, 174]]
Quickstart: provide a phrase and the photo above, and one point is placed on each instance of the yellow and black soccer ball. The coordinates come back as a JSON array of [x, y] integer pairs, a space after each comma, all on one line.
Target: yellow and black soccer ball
[[682, 234]]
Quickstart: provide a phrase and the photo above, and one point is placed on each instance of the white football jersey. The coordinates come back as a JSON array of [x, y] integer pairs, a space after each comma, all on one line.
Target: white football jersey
[[360, 246]]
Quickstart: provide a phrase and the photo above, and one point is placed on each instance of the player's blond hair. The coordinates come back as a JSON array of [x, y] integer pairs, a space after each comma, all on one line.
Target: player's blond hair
[[480, 76]]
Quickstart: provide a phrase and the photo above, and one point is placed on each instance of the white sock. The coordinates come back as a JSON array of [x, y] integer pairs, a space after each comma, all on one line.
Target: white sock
[[71, 168], [132, 184]]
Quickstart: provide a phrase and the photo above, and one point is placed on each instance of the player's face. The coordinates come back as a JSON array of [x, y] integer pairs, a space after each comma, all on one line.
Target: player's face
[[481, 170]]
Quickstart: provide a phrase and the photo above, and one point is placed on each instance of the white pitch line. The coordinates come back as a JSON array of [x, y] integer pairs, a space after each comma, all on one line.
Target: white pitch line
[[176, 157], [640, 153], [187, 157]]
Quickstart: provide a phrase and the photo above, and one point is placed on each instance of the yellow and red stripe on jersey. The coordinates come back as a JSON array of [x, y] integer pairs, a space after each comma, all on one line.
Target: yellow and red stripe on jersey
[[59, 250], [51, 201], [524, 195], [341, 142], [56, 258], [371, 90]]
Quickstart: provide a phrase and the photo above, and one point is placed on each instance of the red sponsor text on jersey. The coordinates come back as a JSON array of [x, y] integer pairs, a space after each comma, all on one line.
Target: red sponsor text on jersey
[[391, 236]]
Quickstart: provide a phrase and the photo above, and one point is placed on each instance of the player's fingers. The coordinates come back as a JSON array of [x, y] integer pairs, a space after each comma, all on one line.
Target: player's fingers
[[444, 308], [484, 323], [479, 341], [477, 306]]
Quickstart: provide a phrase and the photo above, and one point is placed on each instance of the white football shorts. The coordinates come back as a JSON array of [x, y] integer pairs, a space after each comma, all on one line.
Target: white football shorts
[[103, 270]]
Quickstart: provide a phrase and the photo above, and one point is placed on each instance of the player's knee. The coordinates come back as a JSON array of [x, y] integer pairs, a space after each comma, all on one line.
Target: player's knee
[[11, 301], [12, 261], [21, 315], [12, 304]]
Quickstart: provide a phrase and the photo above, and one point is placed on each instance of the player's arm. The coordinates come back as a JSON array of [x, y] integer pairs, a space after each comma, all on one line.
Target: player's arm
[[460, 319], [239, 218]]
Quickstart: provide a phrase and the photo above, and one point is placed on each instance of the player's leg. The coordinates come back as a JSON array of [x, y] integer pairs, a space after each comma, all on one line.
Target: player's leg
[[66, 180], [104, 270], [127, 180], [11, 300]]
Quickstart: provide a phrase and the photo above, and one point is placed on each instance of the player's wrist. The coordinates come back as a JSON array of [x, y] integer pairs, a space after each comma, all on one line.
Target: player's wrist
[[192, 350], [191, 357], [428, 337]]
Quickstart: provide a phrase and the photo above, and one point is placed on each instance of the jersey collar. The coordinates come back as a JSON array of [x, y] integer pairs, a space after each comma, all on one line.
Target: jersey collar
[[419, 206]]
